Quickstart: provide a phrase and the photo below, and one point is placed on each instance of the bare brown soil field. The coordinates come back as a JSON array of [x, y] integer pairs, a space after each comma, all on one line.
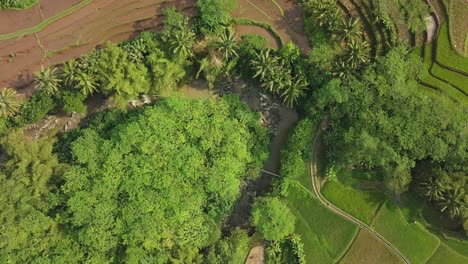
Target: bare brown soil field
[[289, 26], [13, 20], [77, 34], [367, 250], [114, 20]]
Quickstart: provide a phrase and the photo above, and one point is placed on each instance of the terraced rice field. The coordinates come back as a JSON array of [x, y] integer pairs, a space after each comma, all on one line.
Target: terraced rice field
[[78, 33], [326, 236], [367, 250]]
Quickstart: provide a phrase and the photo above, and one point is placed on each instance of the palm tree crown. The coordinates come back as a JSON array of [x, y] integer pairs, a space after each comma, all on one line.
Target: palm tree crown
[[9, 105], [432, 188], [48, 80], [227, 44], [453, 201]]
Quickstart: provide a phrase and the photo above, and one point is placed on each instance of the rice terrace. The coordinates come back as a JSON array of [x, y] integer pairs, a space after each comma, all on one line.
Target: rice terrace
[[234, 131]]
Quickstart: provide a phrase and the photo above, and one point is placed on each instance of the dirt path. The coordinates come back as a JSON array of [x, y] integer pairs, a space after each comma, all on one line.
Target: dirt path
[[256, 255], [336, 210]]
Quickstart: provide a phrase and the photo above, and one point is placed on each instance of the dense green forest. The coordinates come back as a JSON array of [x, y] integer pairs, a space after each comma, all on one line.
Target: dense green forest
[[129, 186], [156, 182]]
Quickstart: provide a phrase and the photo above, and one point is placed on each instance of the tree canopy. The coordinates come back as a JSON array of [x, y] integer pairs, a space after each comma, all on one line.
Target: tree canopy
[[151, 185], [384, 120]]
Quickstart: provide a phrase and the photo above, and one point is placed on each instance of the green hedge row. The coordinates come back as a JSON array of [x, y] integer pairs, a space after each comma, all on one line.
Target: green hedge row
[[266, 26]]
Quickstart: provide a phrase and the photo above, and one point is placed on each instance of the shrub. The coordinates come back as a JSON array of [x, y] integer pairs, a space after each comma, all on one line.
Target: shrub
[[35, 109], [272, 218], [16, 4], [72, 101]]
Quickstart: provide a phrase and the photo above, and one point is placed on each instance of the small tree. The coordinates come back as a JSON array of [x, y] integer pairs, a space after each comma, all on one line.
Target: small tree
[[453, 201], [48, 80], [227, 44], [272, 218], [9, 105], [398, 180]]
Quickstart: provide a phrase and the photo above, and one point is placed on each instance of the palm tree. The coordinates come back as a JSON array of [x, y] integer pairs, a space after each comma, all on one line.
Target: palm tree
[[325, 12], [182, 42], [453, 201], [9, 105], [70, 72], [357, 53], [432, 188], [48, 80], [350, 29], [294, 91], [227, 44], [85, 83], [264, 64]]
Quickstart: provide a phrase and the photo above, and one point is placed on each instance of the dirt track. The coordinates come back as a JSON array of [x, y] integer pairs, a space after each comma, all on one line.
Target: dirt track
[[336, 210], [73, 35]]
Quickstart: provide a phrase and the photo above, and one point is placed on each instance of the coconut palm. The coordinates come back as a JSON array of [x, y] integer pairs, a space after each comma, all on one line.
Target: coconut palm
[[227, 44], [357, 53], [264, 64], [325, 12], [9, 105], [341, 69], [432, 188], [182, 42], [70, 72], [47, 79], [294, 91], [85, 83], [350, 29], [453, 201]]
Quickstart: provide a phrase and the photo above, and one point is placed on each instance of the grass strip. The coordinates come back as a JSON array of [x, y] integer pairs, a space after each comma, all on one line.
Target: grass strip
[[44, 23], [445, 254], [361, 204], [266, 26]]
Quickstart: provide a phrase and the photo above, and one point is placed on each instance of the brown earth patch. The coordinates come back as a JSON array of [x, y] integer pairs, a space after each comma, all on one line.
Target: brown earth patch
[[286, 17], [256, 255]]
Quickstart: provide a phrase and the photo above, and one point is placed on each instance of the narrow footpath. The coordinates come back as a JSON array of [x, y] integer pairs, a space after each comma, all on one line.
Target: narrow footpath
[[335, 209]]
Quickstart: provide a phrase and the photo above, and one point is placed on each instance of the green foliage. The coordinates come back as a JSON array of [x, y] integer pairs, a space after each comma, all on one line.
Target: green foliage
[[154, 185], [397, 180], [322, 13], [27, 187], [118, 76], [72, 101], [214, 14], [272, 218], [9, 104], [415, 13], [36, 108], [16, 4], [283, 74], [386, 121], [47, 79], [232, 249]]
